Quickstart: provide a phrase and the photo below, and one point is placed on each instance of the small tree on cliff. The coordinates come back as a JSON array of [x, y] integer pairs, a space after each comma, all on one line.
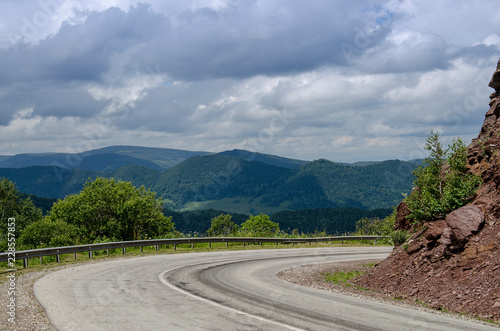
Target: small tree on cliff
[[443, 182]]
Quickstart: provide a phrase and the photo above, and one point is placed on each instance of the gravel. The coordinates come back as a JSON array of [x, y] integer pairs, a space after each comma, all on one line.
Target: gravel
[[30, 315]]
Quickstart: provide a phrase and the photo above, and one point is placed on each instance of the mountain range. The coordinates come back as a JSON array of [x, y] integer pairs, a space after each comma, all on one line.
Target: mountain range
[[103, 159], [236, 181]]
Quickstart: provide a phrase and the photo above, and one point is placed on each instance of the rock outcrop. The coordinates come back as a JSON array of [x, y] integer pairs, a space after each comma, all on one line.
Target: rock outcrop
[[454, 263]]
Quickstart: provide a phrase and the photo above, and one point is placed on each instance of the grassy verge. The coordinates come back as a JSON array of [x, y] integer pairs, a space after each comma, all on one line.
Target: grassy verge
[[342, 277]]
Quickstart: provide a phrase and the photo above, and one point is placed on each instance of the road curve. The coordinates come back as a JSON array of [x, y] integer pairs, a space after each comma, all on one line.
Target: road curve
[[226, 290]]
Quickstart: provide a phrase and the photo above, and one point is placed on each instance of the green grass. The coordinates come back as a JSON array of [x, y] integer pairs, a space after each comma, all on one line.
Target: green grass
[[342, 277]]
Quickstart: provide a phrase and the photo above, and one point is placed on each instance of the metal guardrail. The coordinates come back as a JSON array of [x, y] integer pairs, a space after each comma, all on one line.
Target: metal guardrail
[[57, 251]]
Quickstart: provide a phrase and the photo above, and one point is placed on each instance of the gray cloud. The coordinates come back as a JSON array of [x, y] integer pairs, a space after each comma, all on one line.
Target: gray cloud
[[352, 80]]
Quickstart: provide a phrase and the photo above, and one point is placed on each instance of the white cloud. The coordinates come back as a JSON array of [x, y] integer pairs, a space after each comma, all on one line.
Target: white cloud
[[342, 141], [492, 39]]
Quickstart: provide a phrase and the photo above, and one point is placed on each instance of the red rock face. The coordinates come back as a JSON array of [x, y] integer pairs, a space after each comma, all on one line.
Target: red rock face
[[402, 221], [455, 262]]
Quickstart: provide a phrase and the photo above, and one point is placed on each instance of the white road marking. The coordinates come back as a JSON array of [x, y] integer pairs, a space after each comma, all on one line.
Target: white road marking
[[262, 319]]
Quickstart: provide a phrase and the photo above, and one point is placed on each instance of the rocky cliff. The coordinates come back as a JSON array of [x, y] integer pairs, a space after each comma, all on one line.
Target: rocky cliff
[[454, 263]]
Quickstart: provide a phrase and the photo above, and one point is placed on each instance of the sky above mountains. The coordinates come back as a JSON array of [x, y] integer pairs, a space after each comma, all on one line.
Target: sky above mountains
[[345, 81]]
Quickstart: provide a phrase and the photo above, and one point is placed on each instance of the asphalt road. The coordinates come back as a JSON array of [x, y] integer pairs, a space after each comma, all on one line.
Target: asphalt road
[[227, 290]]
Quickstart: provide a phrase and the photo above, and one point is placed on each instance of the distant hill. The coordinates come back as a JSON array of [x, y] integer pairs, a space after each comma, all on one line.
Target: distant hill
[[265, 158], [114, 157], [103, 159], [235, 184]]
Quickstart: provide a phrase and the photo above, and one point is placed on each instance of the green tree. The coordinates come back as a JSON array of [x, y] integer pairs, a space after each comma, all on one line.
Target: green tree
[[113, 209], [375, 226], [259, 226], [48, 233], [20, 211], [443, 182], [222, 225]]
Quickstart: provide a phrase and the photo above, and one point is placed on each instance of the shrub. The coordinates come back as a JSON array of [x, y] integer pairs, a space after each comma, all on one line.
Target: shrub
[[399, 237], [113, 209], [259, 226], [375, 226], [222, 225], [48, 233]]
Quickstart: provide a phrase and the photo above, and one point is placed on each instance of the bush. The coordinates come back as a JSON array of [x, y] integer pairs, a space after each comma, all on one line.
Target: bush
[[222, 225], [259, 226], [113, 209], [48, 233], [375, 226], [399, 237]]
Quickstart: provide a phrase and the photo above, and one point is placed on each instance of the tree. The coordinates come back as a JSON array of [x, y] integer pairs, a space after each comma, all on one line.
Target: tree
[[222, 225], [107, 208], [48, 233], [21, 212], [443, 183], [259, 226], [375, 226]]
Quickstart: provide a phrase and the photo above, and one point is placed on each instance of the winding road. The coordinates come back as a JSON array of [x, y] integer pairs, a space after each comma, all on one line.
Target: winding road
[[224, 290]]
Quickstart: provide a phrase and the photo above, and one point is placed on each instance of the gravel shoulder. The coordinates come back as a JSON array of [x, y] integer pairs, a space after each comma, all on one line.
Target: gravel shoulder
[[30, 315]]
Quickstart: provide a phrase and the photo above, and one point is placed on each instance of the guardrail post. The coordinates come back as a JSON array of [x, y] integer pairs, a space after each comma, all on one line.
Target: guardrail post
[[175, 247], [141, 249], [192, 245], [107, 252], [25, 263], [90, 254], [260, 244], [124, 250], [157, 248], [227, 243], [375, 241], [209, 244], [243, 244], [58, 258], [41, 259], [342, 241]]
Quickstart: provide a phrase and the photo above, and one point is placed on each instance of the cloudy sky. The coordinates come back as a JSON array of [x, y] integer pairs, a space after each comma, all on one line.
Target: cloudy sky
[[334, 79]]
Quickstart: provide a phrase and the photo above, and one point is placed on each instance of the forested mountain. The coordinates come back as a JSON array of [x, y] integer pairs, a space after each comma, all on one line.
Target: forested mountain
[[103, 159], [235, 184], [264, 158], [114, 157]]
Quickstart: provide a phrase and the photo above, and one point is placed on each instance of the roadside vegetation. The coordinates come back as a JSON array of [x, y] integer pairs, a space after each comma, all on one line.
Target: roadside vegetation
[[443, 183]]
